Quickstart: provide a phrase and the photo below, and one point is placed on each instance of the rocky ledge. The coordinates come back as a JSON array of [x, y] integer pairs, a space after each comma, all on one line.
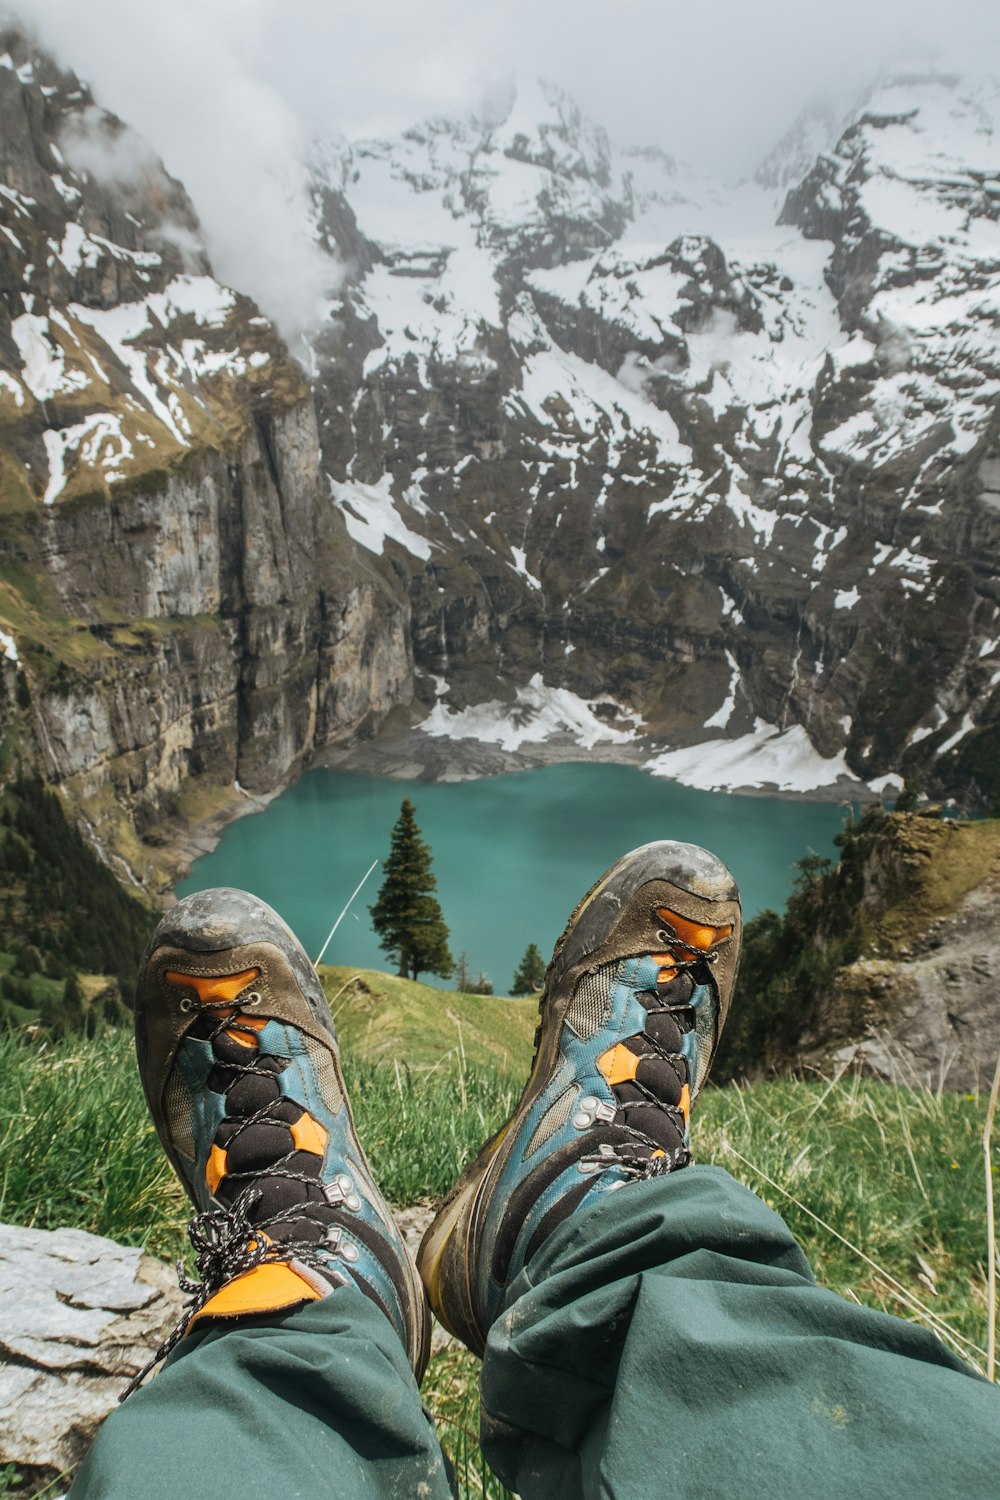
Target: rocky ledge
[[79, 1317]]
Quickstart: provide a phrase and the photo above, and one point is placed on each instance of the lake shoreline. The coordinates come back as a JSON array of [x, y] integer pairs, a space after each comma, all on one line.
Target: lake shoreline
[[415, 756], [411, 755]]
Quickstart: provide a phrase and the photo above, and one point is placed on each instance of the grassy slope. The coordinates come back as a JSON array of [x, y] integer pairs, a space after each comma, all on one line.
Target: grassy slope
[[946, 859], [381, 1016]]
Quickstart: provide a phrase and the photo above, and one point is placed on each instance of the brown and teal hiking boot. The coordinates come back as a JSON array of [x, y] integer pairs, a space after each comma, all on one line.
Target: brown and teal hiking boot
[[634, 1001], [239, 1060]]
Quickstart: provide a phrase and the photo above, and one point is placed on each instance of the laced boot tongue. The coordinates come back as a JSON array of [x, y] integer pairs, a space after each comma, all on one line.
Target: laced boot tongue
[[267, 1154], [648, 1073], [651, 1092]]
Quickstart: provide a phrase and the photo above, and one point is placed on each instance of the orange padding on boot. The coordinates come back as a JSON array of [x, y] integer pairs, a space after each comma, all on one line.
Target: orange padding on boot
[[694, 935], [267, 1288], [212, 988], [215, 1168], [619, 1064], [243, 1030], [309, 1135]]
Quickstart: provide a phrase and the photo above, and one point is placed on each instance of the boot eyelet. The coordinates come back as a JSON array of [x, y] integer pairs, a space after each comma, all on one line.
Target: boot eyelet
[[186, 1003], [254, 998]]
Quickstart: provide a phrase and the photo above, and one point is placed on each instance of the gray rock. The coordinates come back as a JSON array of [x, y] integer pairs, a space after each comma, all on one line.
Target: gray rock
[[929, 1018], [79, 1316]]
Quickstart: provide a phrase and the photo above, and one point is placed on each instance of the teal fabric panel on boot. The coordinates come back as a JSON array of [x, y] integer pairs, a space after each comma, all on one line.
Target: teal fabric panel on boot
[[671, 1341], [319, 1402]]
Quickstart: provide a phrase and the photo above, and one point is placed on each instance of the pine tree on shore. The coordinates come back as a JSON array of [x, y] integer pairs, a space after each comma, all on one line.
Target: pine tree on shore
[[407, 917], [530, 974]]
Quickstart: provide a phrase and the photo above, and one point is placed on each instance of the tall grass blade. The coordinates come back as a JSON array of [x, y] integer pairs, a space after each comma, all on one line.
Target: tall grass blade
[[949, 1335], [991, 1229], [319, 957]]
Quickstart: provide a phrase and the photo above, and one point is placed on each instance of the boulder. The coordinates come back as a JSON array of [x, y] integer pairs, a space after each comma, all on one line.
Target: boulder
[[79, 1316]]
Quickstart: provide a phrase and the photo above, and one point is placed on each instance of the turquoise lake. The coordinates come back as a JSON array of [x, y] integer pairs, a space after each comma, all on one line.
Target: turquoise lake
[[512, 854]]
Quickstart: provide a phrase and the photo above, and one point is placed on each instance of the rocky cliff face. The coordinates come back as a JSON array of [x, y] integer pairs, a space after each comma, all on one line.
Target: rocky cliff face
[[732, 455], [919, 1006], [188, 616]]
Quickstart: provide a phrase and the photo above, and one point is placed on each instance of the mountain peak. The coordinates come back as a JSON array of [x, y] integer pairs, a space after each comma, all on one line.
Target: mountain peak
[[545, 127]]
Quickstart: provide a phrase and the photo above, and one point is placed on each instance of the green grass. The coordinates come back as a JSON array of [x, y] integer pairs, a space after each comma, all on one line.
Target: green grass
[[77, 1147], [897, 1172], [382, 1016], [419, 1129]]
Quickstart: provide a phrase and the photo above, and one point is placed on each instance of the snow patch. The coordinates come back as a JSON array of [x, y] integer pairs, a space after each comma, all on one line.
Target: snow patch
[[766, 757], [722, 715], [9, 646], [153, 372], [370, 514], [520, 566], [537, 713], [77, 249], [889, 783], [98, 441], [43, 360], [8, 383], [966, 727]]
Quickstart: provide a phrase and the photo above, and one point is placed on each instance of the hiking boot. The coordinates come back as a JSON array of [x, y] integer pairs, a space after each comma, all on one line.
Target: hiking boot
[[634, 1001], [239, 1061]]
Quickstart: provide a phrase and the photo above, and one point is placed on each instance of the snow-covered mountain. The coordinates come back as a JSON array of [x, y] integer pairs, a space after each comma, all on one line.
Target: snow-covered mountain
[[589, 443], [114, 326], [730, 454]]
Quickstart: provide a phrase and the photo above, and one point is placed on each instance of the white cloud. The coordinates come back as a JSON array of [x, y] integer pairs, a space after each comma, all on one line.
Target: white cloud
[[190, 78], [714, 84]]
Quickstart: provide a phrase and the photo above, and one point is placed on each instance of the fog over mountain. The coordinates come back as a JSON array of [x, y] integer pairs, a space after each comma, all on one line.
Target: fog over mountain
[[227, 92]]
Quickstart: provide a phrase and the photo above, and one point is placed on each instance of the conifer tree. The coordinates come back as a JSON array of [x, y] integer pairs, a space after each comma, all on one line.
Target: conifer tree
[[407, 916], [463, 973], [530, 974]]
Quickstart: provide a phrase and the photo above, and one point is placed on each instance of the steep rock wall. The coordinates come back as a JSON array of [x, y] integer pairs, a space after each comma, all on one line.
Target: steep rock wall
[[190, 617]]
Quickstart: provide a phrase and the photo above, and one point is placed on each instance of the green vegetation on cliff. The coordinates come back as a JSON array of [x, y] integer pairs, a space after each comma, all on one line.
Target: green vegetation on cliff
[[70, 935], [898, 873]]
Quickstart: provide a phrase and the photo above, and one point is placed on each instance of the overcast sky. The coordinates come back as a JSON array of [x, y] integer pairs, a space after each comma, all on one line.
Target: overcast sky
[[227, 91]]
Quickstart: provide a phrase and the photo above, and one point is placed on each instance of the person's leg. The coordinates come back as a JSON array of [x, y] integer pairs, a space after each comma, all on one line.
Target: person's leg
[[652, 1329], [305, 1341], [318, 1401], [671, 1341]]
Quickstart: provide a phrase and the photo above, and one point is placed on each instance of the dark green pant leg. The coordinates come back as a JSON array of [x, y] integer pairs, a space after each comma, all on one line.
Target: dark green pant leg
[[671, 1341], [321, 1402]]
